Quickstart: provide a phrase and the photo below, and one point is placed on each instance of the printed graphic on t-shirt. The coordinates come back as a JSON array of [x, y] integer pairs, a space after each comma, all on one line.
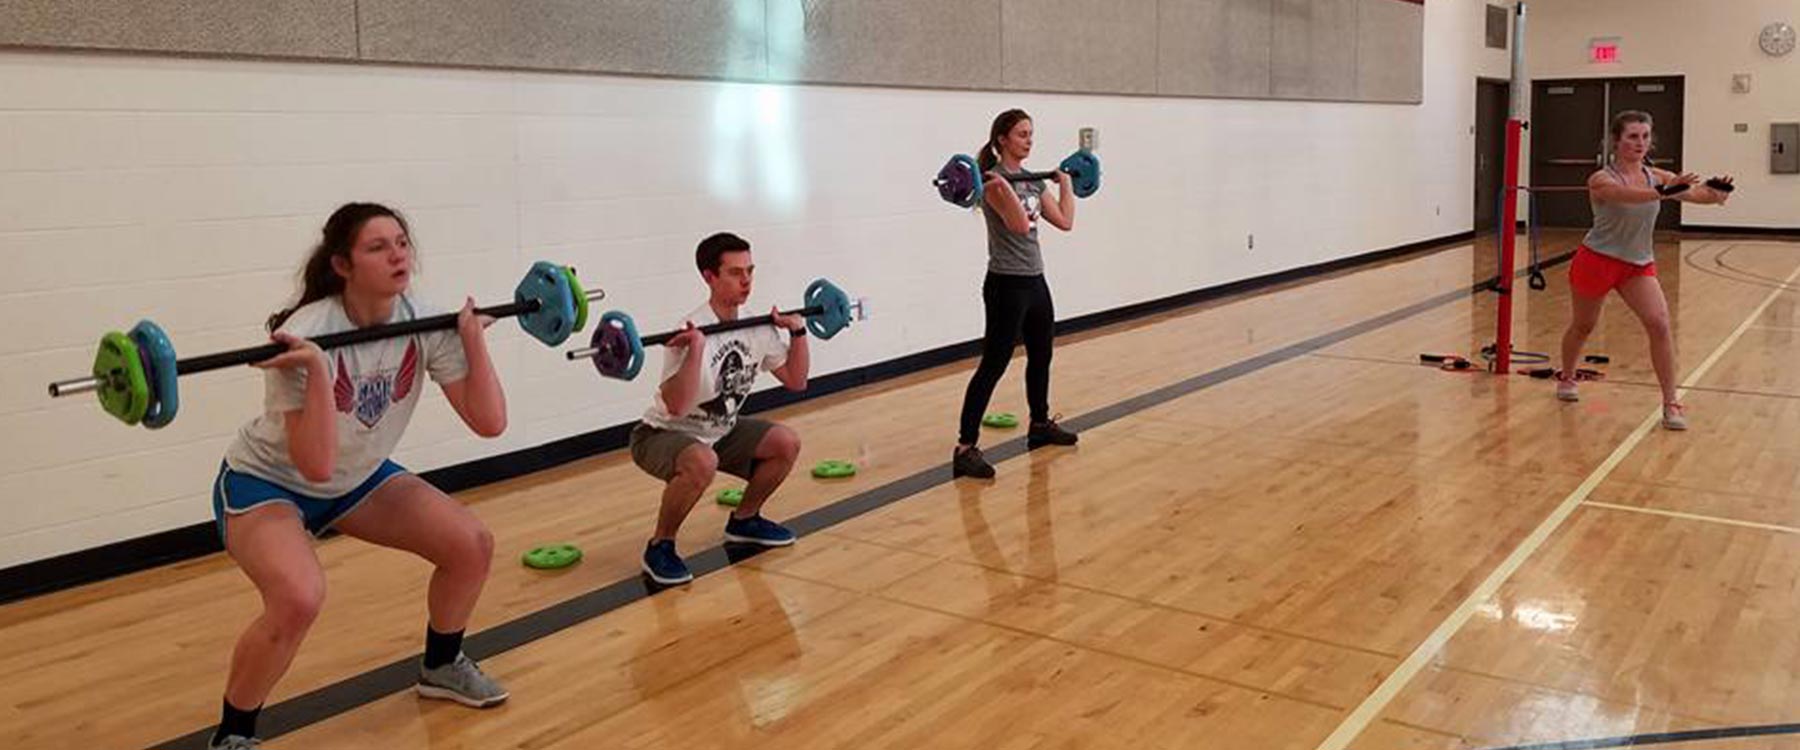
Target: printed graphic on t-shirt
[[368, 395], [735, 374]]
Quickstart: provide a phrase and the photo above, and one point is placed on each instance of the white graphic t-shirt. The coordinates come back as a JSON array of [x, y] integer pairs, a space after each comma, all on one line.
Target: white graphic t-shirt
[[733, 360], [375, 386]]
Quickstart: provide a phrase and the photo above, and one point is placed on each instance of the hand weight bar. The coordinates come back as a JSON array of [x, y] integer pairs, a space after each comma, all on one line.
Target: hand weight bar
[[1452, 362], [135, 375], [960, 180], [618, 352]]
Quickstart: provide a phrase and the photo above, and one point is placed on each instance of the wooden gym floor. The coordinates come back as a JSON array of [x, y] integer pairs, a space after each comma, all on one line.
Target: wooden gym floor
[[1278, 531]]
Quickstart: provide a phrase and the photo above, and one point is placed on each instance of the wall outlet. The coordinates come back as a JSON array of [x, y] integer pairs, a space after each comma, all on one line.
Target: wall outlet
[[1089, 139], [1250, 242], [861, 308]]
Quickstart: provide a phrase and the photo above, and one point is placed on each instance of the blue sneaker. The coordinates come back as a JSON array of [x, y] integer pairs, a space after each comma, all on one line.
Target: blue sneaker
[[663, 565], [758, 530]]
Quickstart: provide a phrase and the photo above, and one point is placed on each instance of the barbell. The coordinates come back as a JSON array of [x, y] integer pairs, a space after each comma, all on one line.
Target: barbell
[[134, 374], [617, 350], [960, 180]]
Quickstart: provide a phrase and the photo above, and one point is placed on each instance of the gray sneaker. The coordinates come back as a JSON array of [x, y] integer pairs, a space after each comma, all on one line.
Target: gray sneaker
[[1674, 417], [463, 682], [236, 742], [1565, 389]]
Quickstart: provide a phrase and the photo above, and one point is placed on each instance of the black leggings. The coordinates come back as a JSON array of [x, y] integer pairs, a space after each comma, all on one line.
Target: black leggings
[[1014, 304]]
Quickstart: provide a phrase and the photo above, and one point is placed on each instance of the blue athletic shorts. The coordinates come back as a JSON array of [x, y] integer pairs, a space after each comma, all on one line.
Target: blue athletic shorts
[[235, 492]]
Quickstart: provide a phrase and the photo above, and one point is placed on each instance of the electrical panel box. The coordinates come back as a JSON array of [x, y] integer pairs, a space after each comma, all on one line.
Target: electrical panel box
[[1784, 148]]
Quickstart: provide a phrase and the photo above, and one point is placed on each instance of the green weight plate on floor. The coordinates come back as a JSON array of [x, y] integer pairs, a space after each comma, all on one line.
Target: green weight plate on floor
[[553, 556], [834, 469]]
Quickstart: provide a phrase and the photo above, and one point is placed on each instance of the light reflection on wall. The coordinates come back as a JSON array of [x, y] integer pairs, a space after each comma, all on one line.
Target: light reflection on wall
[[755, 146]]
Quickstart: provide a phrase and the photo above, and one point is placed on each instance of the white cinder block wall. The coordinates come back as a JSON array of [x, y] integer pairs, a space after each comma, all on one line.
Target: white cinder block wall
[[189, 190]]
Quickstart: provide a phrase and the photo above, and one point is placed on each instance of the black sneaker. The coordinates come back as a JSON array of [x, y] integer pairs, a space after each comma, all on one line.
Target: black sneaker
[[970, 463], [1049, 433]]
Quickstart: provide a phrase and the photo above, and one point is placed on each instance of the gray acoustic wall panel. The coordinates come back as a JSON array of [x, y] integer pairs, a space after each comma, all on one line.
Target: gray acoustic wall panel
[[1314, 49], [1213, 48], [1351, 50], [704, 38], [1099, 46], [281, 28], [947, 43], [1390, 51]]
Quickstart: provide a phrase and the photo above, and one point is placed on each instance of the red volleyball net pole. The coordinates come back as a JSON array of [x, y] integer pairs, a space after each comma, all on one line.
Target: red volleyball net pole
[[1509, 200]]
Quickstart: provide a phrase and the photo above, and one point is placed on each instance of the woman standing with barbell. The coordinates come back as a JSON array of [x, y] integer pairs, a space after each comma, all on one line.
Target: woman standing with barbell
[[318, 457], [1015, 293]]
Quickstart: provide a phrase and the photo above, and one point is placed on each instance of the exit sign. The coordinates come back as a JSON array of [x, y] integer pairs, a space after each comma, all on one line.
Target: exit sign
[[1603, 50]]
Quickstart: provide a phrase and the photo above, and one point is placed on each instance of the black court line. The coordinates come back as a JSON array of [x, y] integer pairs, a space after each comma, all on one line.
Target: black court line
[[1754, 279], [1664, 738], [1719, 260], [399, 676]]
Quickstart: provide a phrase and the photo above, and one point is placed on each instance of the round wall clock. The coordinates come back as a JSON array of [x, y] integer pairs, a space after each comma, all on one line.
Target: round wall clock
[[1777, 39]]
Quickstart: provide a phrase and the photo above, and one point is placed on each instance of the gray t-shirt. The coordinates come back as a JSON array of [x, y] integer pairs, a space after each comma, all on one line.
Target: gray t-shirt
[[375, 386], [1011, 253], [1626, 231]]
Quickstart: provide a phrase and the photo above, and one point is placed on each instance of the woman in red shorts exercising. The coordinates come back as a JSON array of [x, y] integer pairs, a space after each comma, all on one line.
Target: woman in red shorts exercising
[[1619, 253]]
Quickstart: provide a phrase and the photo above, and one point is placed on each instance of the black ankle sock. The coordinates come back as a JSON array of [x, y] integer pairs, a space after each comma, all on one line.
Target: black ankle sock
[[234, 720], [441, 648]]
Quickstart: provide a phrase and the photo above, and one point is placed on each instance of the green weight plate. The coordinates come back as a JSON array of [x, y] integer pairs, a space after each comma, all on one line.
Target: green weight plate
[[834, 469], [553, 556], [1003, 420], [124, 391], [732, 497], [581, 300]]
